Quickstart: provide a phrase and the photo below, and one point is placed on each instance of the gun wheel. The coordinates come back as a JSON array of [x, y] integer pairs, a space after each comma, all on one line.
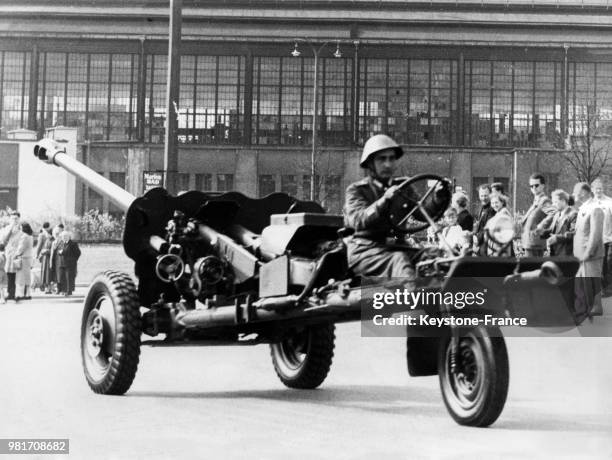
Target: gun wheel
[[474, 382], [303, 359], [110, 333]]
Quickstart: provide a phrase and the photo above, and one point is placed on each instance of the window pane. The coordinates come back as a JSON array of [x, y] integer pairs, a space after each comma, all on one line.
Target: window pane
[[502, 103], [51, 88], [398, 100], [183, 182], [123, 97], [225, 182], [266, 129], [292, 111], [267, 185], [523, 103], [478, 94], [372, 101], [289, 184], [203, 182], [15, 87], [335, 118]]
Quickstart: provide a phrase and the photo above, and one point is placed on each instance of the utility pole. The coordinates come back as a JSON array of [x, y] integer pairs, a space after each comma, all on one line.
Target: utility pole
[[172, 93]]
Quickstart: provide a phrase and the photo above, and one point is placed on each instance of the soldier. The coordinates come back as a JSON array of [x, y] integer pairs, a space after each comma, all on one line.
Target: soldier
[[366, 210]]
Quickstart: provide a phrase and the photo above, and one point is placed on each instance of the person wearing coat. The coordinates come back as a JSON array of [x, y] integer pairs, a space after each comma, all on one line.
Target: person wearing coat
[[486, 212], [25, 252], [69, 254], [54, 271], [533, 242], [366, 210], [499, 203], [43, 254], [10, 237], [589, 250], [559, 228], [464, 218]]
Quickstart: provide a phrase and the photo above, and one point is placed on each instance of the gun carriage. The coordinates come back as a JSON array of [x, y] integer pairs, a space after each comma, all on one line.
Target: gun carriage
[[226, 269]]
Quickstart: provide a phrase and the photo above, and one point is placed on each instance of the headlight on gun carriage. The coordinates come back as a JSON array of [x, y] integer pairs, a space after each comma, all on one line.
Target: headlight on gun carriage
[[502, 230]]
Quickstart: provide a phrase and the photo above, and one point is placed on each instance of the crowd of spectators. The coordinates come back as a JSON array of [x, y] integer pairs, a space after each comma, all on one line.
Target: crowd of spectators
[[47, 261], [578, 225]]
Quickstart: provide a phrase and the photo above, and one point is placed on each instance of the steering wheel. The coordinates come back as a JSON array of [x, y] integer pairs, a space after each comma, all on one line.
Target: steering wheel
[[410, 212]]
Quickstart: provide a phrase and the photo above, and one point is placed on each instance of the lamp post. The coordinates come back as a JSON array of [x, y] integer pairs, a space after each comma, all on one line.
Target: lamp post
[[315, 102]]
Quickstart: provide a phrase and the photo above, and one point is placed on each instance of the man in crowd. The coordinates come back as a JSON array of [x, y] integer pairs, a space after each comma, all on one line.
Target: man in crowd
[[588, 249], [69, 253], [559, 228], [605, 203], [531, 238], [486, 212], [10, 238]]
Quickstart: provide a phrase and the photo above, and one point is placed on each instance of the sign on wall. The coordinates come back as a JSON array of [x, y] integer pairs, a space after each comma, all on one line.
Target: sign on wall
[[152, 179]]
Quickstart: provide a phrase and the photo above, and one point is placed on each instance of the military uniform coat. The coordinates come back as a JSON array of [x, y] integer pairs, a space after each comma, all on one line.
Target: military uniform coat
[[366, 211]]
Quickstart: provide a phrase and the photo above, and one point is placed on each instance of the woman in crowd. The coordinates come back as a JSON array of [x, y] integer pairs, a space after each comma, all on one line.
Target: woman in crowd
[[54, 270], [464, 218], [43, 254], [25, 252], [499, 203]]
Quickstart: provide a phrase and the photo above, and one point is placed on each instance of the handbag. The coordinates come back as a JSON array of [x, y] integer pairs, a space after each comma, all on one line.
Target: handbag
[[17, 263]]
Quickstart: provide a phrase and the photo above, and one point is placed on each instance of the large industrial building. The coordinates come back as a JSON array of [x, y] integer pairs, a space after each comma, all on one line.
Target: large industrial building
[[478, 90]]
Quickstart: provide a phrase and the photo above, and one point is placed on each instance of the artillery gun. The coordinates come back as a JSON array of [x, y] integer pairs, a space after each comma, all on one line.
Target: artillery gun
[[226, 269]]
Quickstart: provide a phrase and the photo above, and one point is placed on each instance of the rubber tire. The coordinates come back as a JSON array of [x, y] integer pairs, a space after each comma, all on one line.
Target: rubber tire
[[119, 288], [317, 361], [495, 372]]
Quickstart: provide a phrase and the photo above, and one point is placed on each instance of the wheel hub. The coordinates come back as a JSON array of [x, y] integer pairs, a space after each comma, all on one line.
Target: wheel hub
[[466, 380], [294, 349], [95, 337]]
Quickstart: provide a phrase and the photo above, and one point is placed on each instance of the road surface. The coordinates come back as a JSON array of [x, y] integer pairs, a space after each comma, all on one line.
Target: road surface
[[226, 402]]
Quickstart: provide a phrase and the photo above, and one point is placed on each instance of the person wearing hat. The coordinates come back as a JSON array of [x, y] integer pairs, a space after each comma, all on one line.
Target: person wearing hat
[[366, 210]]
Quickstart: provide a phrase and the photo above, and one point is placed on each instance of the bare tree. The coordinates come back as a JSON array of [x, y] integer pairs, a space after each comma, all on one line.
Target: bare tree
[[323, 180], [588, 149]]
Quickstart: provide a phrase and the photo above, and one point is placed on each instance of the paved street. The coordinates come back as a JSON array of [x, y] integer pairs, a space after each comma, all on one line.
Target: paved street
[[226, 402]]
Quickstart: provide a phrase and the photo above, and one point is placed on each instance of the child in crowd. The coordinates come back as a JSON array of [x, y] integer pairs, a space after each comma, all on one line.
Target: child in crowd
[[2, 274], [452, 232]]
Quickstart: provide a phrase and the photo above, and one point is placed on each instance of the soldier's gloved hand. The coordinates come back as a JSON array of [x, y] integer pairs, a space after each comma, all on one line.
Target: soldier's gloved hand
[[391, 192]]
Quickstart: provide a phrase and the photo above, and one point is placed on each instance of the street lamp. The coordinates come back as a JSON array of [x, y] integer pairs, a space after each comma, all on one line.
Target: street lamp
[[315, 90]]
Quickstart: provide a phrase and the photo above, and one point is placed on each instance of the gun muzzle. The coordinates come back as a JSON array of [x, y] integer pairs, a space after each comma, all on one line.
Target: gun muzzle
[[46, 149]]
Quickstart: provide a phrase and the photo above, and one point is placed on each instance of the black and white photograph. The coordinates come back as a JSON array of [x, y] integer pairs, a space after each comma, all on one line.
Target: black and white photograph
[[306, 229]]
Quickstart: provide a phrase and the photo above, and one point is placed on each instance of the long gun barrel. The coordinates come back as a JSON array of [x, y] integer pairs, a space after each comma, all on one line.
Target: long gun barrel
[[54, 153]]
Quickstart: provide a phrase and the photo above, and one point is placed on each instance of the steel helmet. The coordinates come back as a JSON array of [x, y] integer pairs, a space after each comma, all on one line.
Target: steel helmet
[[377, 143]]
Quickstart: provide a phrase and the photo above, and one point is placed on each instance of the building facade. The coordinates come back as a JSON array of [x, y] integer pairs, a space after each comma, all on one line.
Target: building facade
[[464, 84]]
